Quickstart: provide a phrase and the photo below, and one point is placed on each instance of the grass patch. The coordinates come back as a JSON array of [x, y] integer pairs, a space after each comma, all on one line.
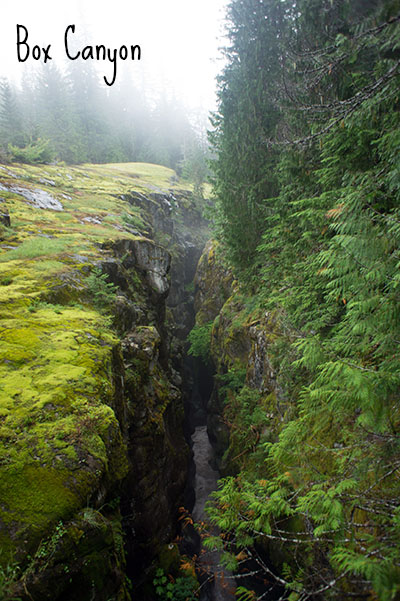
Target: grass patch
[[156, 175], [37, 247]]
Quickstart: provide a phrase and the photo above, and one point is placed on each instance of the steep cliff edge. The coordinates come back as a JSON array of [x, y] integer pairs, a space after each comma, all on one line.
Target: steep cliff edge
[[91, 410]]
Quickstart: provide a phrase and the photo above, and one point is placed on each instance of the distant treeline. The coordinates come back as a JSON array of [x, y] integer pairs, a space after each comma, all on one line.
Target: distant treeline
[[71, 117]]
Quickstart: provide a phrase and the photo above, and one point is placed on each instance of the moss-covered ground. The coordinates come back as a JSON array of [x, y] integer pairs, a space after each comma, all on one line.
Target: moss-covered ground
[[59, 436]]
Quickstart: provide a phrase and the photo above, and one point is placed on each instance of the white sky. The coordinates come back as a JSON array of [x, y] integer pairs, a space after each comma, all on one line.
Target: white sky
[[179, 39]]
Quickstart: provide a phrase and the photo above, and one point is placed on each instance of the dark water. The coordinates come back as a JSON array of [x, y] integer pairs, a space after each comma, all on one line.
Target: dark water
[[223, 587]]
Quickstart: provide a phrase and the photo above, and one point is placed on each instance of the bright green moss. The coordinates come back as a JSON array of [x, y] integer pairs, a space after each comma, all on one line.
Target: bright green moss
[[33, 497], [59, 436], [35, 492], [144, 173]]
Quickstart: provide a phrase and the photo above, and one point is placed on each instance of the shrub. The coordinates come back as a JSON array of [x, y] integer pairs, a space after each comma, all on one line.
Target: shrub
[[182, 589], [8, 575], [101, 290], [38, 151], [200, 341]]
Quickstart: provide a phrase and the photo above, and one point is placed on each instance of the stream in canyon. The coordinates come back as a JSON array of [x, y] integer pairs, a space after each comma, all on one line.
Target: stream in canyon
[[221, 584]]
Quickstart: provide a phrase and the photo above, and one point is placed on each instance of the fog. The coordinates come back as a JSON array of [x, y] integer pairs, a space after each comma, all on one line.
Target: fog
[[97, 81], [179, 42]]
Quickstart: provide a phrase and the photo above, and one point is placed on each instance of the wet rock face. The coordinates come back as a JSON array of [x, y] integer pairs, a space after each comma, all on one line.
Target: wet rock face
[[260, 373], [158, 206], [240, 343], [126, 313], [155, 262], [154, 386], [157, 450], [152, 260], [5, 218], [38, 198]]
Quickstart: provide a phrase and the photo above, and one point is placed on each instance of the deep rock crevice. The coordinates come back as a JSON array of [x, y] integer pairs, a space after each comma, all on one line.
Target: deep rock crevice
[[157, 380]]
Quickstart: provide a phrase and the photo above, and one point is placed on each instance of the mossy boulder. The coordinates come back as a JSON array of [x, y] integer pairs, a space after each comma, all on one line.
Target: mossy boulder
[[59, 435]]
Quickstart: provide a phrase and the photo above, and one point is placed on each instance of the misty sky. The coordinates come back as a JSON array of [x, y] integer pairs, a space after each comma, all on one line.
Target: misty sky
[[179, 40]]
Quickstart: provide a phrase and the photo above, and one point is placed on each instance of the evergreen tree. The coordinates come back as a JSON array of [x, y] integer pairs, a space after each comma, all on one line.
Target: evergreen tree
[[89, 113], [11, 125], [195, 164], [67, 116], [330, 243], [171, 131], [55, 115], [248, 116], [133, 127]]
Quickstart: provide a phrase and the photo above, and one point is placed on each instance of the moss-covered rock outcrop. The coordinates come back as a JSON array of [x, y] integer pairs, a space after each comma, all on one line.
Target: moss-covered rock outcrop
[[213, 284], [90, 405], [241, 348]]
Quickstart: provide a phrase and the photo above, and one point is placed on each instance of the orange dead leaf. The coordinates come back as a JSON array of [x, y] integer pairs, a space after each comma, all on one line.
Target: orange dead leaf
[[186, 520], [335, 211], [187, 566]]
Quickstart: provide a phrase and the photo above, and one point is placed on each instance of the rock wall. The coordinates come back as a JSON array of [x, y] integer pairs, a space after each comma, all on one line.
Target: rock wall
[[242, 353], [160, 383]]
